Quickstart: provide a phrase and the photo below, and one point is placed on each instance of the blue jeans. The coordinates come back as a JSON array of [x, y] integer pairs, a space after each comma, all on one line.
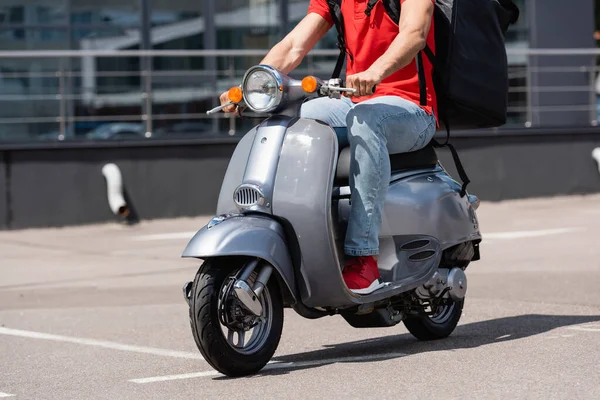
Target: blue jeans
[[373, 129]]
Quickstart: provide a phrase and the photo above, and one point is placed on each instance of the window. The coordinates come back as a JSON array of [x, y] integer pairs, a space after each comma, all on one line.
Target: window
[[172, 12], [33, 12], [122, 14]]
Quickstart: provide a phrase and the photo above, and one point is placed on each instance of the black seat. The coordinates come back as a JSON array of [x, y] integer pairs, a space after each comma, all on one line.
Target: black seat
[[424, 158]]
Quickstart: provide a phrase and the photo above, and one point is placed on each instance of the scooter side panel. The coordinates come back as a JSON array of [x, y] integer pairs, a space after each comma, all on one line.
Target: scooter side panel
[[235, 173], [429, 204], [302, 195], [247, 235]]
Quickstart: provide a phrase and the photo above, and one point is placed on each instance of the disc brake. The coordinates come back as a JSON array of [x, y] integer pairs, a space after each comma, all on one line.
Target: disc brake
[[231, 313]]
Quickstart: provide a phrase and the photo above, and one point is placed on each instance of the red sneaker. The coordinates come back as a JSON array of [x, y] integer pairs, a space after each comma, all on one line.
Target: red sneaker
[[361, 275]]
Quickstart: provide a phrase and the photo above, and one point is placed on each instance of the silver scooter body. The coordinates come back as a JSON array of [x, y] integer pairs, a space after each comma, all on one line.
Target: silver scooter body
[[278, 202], [278, 239]]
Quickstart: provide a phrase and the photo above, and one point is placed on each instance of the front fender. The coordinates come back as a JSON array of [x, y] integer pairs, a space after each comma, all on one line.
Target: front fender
[[253, 236]]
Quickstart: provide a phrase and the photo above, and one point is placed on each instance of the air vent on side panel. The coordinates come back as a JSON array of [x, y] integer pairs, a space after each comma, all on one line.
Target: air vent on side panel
[[422, 255], [417, 244]]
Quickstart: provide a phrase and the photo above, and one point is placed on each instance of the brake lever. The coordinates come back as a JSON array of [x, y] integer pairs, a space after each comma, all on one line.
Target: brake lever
[[222, 106]]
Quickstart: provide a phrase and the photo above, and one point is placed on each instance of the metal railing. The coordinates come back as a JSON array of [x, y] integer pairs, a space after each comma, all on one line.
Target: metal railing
[[60, 95]]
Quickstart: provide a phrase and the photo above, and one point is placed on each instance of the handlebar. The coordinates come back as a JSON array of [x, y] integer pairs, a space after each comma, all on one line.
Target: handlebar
[[331, 88], [219, 108], [342, 89]]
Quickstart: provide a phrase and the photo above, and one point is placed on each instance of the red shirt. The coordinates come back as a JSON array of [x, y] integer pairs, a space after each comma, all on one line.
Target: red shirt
[[368, 38]]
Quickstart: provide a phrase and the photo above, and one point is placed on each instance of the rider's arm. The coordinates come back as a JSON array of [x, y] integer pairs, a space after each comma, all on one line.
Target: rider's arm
[[288, 54], [415, 21]]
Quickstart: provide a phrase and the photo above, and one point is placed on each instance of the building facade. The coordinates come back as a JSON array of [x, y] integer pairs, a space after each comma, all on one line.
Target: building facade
[[91, 97]]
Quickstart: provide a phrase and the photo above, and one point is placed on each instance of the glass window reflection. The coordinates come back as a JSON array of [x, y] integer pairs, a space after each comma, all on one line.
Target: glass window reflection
[[33, 12], [170, 12], [33, 39], [110, 90], [110, 13]]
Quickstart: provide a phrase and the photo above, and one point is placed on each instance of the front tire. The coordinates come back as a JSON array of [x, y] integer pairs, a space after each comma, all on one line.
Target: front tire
[[438, 326], [244, 355]]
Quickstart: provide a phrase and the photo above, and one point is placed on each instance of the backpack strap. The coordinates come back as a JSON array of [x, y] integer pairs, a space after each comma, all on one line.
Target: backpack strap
[[459, 167], [429, 53], [335, 11], [370, 6], [512, 9], [444, 117], [422, 81]]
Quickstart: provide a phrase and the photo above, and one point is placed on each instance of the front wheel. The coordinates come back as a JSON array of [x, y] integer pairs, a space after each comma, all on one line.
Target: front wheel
[[232, 339], [437, 326]]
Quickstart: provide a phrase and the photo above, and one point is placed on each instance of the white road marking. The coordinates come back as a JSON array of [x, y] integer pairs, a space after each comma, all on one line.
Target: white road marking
[[527, 234], [175, 377], [586, 328], [6, 394], [164, 236], [101, 343], [274, 365], [558, 337]]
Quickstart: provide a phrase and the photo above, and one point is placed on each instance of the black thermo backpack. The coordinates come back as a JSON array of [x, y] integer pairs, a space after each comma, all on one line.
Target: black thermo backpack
[[470, 69]]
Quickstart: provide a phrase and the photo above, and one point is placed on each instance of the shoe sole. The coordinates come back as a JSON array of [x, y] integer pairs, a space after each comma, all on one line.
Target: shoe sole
[[372, 287]]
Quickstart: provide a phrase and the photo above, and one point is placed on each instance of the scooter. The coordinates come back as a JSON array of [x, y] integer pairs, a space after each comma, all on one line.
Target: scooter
[[277, 241]]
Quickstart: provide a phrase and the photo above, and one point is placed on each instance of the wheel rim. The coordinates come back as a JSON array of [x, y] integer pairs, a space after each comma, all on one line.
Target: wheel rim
[[443, 313], [248, 341]]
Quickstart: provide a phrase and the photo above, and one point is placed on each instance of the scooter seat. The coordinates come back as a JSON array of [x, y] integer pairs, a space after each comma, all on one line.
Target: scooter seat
[[424, 158]]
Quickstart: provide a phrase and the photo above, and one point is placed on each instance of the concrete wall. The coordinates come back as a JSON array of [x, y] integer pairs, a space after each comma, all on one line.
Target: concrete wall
[[4, 198], [63, 185], [537, 164]]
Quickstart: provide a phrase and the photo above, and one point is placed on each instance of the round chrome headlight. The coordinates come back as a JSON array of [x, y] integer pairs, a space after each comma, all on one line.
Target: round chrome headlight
[[262, 89]]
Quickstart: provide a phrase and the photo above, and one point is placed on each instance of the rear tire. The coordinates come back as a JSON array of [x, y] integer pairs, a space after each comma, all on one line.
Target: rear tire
[[207, 328], [436, 327]]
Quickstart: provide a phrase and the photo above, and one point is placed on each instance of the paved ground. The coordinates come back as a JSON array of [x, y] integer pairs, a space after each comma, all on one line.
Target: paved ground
[[91, 312]]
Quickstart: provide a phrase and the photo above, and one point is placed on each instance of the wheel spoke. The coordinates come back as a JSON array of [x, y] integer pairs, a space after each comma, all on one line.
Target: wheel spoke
[[230, 334], [241, 337]]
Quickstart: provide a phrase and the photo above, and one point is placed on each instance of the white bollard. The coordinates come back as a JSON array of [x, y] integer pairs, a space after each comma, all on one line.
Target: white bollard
[[596, 156], [114, 187]]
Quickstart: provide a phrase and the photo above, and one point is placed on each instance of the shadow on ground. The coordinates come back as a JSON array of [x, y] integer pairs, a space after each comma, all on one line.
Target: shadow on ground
[[464, 337]]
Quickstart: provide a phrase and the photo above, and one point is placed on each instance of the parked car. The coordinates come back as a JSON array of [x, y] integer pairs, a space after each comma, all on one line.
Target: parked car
[[200, 129], [117, 130]]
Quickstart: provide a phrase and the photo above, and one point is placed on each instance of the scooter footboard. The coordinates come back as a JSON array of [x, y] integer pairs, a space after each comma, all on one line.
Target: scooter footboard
[[251, 236]]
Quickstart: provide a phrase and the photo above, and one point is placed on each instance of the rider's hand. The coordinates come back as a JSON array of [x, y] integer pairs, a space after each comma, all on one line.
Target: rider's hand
[[224, 100], [363, 82]]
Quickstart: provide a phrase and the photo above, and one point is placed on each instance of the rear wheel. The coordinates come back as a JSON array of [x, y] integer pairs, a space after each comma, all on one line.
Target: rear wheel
[[232, 339], [437, 326]]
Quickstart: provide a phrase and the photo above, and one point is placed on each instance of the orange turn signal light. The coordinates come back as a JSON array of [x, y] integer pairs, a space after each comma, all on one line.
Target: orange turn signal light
[[309, 84], [235, 94]]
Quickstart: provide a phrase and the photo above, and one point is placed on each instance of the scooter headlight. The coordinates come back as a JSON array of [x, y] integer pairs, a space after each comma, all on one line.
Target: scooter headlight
[[262, 89]]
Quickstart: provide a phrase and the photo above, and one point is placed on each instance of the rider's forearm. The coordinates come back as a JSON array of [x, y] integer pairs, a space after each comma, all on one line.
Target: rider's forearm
[[289, 53], [401, 52], [284, 56]]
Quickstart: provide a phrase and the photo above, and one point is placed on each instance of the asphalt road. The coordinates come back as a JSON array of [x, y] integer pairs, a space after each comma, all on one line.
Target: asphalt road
[[96, 312]]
